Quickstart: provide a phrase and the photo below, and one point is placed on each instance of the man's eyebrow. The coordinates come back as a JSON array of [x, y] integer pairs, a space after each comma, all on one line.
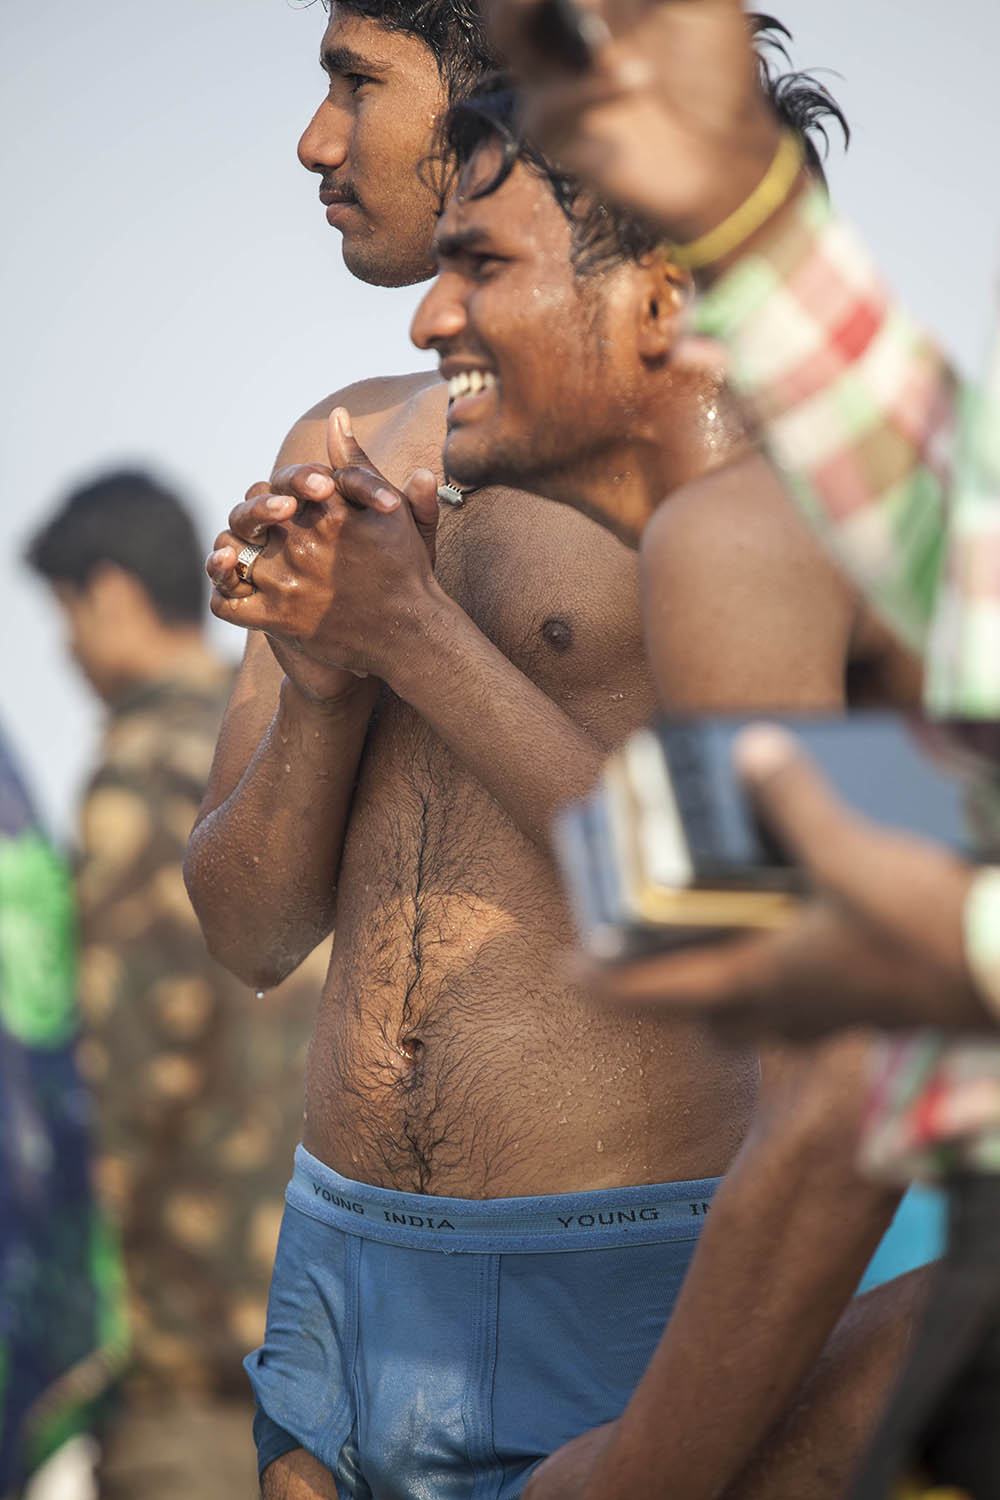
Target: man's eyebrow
[[450, 242], [343, 60]]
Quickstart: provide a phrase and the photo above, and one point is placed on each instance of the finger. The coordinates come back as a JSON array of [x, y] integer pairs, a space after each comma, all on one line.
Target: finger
[[796, 801], [827, 972], [250, 519], [303, 481], [909, 888], [421, 491], [524, 34], [342, 446], [556, 112], [220, 565], [368, 490], [251, 611], [696, 980]]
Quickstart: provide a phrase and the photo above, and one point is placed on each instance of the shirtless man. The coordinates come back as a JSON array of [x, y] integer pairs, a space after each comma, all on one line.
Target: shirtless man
[[410, 804]]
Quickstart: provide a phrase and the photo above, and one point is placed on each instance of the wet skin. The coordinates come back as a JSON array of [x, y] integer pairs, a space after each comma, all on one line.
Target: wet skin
[[449, 1057], [365, 141]]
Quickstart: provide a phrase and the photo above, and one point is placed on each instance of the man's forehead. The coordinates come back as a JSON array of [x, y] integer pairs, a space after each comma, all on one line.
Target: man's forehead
[[349, 32], [514, 210], [464, 224]]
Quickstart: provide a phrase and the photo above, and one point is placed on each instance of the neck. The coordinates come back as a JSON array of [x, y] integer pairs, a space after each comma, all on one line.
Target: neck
[[692, 428], [163, 653]]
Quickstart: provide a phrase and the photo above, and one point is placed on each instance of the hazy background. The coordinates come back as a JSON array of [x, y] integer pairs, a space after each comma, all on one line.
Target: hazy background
[[174, 296]]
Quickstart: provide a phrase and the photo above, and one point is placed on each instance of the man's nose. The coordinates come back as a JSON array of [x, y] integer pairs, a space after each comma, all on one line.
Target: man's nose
[[324, 142], [441, 316]]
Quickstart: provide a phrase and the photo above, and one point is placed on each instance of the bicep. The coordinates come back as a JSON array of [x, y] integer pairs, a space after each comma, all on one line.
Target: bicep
[[742, 610]]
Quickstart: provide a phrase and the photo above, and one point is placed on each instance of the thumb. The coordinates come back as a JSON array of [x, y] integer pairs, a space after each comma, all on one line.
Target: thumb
[[904, 886], [343, 448], [421, 491], [816, 828]]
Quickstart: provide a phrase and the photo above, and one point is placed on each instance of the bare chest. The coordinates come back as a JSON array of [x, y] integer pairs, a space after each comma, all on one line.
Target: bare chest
[[556, 594]]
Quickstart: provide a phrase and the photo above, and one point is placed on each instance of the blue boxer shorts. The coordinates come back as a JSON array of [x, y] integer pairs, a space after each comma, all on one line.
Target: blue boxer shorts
[[441, 1347], [427, 1348]]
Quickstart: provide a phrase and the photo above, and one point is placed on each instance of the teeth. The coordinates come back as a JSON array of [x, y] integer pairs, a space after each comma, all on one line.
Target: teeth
[[469, 382]]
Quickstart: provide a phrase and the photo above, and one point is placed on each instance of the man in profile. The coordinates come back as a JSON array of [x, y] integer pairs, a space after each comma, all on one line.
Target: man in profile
[[197, 1084], [399, 737]]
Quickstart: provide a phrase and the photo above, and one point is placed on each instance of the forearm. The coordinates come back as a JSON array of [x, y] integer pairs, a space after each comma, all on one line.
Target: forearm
[[261, 867], [817, 1443], [777, 1262], [521, 746], [816, 1448]]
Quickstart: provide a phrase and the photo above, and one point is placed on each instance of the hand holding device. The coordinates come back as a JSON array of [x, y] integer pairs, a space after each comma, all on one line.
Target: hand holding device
[[669, 848]]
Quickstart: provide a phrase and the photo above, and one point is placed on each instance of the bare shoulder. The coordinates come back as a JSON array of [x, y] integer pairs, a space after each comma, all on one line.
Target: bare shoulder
[[742, 606], [740, 506], [375, 405]]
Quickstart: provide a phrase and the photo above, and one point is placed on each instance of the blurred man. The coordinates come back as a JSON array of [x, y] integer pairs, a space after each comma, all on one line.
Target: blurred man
[[61, 1344], [901, 469], [198, 1084], [390, 760]]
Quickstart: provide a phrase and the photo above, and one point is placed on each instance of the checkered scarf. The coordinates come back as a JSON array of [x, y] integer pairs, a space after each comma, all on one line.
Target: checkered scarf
[[898, 467]]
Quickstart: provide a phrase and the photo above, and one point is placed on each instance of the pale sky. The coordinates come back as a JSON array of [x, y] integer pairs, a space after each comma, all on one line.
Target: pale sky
[[173, 295]]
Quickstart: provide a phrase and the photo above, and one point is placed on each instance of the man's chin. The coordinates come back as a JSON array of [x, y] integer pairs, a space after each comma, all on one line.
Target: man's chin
[[474, 465], [377, 265]]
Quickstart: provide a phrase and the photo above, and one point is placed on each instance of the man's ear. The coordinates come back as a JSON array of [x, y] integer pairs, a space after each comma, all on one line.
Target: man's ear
[[665, 291]]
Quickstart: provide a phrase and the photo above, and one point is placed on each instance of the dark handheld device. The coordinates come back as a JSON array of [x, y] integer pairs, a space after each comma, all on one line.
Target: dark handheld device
[[668, 848]]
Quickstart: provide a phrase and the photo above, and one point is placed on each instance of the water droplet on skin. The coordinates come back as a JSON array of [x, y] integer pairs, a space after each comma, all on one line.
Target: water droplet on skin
[[260, 994], [600, 1145], [617, 697]]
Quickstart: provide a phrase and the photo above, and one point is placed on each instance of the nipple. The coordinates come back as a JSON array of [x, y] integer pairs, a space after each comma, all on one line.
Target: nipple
[[558, 634]]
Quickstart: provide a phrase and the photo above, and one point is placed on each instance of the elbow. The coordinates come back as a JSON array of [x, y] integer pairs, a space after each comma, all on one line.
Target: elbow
[[259, 971], [238, 949]]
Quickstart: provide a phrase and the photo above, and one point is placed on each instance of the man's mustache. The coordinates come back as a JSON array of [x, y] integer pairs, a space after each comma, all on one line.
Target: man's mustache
[[346, 192]]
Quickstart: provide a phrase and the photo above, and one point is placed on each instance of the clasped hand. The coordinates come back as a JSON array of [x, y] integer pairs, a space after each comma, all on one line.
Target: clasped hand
[[347, 558]]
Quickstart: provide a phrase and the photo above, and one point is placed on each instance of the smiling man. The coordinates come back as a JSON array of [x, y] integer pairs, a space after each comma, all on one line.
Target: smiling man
[[421, 698]]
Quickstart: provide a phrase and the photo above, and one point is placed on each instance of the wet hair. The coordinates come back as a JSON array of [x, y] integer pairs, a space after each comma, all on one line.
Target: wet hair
[[126, 517], [452, 29], [605, 236], [801, 102]]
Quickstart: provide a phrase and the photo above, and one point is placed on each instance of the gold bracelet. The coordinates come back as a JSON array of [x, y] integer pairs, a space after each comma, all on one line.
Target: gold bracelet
[[766, 198]]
